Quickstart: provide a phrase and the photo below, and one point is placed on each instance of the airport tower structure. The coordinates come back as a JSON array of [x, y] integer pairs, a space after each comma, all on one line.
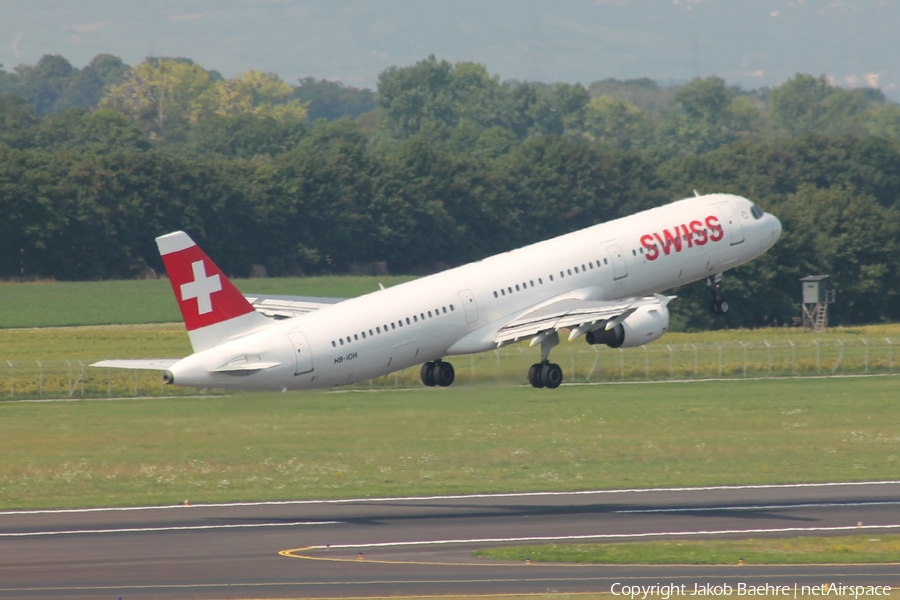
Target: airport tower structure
[[815, 301]]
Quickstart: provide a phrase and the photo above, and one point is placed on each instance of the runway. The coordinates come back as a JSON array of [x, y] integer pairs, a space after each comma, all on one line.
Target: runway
[[422, 545]]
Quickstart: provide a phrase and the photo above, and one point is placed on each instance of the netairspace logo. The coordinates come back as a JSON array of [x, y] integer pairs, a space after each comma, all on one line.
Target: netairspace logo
[[670, 590]]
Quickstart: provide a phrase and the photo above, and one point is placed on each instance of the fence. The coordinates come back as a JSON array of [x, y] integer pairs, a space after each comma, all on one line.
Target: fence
[[581, 363]]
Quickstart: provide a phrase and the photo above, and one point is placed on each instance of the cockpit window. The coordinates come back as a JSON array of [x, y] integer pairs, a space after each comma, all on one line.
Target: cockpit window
[[756, 212]]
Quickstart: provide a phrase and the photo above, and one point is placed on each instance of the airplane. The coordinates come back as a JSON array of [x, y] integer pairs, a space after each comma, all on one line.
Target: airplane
[[602, 283]]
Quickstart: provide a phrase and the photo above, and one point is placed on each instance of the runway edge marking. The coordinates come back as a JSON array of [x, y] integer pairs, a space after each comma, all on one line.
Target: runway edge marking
[[761, 486], [553, 538]]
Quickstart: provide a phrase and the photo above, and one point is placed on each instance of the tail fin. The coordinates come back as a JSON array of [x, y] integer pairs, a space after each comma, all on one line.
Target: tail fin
[[214, 311]]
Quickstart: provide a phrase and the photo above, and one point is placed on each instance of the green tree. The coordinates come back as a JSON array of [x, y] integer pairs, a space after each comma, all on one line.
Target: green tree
[[333, 100], [884, 121], [243, 136], [411, 96], [806, 104], [249, 93], [769, 172], [618, 124], [643, 93], [99, 132], [161, 95], [314, 202], [43, 83], [708, 115], [850, 237], [17, 121]]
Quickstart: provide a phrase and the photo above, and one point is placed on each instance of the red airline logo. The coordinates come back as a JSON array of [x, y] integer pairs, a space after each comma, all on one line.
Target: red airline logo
[[205, 296], [686, 234], [202, 288]]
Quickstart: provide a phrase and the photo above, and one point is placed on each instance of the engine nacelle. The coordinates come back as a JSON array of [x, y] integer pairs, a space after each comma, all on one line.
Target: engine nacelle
[[646, 324]]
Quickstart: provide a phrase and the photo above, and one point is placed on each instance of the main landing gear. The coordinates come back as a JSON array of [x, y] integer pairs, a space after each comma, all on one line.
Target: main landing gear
[[437, 372], [718, 306], [545, 373]]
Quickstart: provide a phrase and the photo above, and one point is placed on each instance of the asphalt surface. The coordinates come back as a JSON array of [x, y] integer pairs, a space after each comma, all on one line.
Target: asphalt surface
[[422, 545]]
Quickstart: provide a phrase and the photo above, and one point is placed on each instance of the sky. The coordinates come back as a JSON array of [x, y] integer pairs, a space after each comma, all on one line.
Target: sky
[[751, 43]]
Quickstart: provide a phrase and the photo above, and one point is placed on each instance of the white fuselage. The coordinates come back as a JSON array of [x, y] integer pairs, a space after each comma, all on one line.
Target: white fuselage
[[459, 311]]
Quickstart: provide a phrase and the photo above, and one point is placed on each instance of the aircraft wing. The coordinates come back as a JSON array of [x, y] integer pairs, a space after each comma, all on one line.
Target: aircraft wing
[[285, 307], [153, 364], [577, 315]]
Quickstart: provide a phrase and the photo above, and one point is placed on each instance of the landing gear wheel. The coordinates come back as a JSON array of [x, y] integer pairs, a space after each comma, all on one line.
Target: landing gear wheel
[[427, 374], [443, 373], [718, 306], [534, 376], [551, 375]]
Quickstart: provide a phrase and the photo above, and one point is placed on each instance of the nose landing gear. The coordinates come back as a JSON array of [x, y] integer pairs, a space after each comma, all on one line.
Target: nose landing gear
[[718, 305]]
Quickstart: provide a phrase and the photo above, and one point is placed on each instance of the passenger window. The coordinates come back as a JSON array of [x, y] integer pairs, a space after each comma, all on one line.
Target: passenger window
[[415, 319], [364, 334], [605, 262], [540, 281], [509, 289], [429, 314], [370, 332], [531, 282], [495, 295], [355, 337], [378, 329], [561, 274], [341, 341], [576, 269], [348, 339], [517, 287], [551, 278], [582, 268], [407, 320], [570, 271], [445, 308], [422, 315], [451, 307], [503, 292], [333, 344]]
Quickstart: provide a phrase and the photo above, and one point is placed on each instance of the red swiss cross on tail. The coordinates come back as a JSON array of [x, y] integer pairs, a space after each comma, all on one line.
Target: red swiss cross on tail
[[205, 296]]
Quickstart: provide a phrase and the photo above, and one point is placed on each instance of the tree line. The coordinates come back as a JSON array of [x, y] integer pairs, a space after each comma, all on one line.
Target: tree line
[[441, 165]]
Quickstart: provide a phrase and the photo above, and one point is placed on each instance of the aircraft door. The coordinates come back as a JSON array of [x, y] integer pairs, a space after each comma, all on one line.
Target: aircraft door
[[735, 229], [468, 301], [620, 271], [302, 352]]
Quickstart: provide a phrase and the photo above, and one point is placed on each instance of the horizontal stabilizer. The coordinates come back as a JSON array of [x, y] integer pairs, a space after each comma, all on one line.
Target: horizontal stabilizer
[[151, 364], [244, 367], [285, 307]]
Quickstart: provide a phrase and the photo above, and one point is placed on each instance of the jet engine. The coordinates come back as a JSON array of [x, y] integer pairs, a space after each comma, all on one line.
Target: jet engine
[[646, 324]]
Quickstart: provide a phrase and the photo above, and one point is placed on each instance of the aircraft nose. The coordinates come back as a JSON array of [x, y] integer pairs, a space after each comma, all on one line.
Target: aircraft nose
[[776, 227]]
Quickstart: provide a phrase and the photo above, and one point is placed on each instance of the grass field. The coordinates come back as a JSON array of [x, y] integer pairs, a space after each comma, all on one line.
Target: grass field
[[481, 439], [59, 304], [870, 548]]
